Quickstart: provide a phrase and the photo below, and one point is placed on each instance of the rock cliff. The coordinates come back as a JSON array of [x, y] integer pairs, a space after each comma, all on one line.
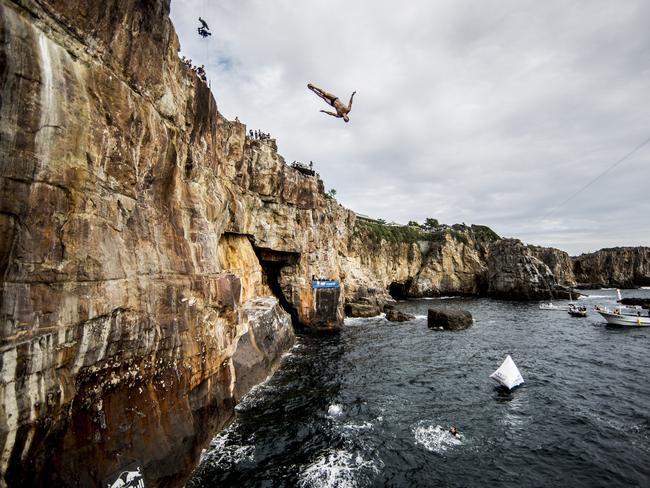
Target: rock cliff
[[155, 261], [558, 262], [405, 261], [153, 258], [515, 273], [620, 267]]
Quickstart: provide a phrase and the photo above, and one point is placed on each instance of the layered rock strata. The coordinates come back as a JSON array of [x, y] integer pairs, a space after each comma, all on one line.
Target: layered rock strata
[[152, 257], [155, 261]]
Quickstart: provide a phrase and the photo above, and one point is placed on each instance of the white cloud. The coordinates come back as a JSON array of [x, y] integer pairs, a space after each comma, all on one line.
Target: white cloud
[[482, 112]]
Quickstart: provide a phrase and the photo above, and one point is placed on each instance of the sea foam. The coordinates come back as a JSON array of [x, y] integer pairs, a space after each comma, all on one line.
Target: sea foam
[[435, 438], [338, 469]]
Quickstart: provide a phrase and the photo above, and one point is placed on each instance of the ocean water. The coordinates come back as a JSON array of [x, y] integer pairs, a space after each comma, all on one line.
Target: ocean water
[[372, 406]]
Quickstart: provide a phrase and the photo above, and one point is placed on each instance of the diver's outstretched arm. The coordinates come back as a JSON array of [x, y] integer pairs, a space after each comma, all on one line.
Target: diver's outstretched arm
[[350, 102], [333, 114]]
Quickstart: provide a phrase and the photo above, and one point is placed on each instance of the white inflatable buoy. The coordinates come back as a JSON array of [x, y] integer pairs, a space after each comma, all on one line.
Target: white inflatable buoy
[[508, 375]]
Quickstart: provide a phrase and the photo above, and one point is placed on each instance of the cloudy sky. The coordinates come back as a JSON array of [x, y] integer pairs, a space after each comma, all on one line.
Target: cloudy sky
[[486, 112]]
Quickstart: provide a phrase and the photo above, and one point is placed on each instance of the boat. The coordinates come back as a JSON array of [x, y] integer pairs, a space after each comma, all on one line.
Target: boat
[[507, 374], [624, 320], [552, 306], [633, 310], [577, 311]]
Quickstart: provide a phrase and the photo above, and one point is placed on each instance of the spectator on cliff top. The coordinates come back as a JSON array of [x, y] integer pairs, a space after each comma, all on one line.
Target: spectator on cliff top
[[342, 111]]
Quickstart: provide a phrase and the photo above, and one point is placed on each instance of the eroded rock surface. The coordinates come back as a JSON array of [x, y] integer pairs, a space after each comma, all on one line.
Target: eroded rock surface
[[515, 274], [620, 267], [154, 259], [152, 256]]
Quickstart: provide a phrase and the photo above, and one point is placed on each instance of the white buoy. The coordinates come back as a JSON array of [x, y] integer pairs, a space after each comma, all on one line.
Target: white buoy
[[508, 375]]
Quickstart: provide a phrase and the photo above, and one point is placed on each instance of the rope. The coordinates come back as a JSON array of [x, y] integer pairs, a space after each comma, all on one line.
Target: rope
[[553, 209]]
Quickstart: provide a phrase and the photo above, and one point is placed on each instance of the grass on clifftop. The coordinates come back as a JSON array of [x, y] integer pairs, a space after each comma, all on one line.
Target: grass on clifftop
[[375, 232]]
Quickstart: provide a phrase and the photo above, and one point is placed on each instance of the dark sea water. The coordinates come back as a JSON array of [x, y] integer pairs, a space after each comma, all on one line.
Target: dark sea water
[[371, 406]]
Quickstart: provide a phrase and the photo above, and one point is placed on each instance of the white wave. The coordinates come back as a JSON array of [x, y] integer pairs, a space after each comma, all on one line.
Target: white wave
[[597, 296], [357, 321], [420, 317], [254, 397], [220, 453], [358, 427], [335, 410], [436, 439], [338, 469]]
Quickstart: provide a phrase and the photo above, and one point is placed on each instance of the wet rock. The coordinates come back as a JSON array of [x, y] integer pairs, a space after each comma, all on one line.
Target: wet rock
[[397, 316], [356, 309], [449, 318]]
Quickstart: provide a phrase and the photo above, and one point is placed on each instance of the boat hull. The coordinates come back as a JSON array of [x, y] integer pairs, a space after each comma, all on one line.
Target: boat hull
[[625, 320]]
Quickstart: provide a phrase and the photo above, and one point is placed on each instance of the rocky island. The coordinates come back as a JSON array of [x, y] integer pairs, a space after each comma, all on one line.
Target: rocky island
[[156, 261]]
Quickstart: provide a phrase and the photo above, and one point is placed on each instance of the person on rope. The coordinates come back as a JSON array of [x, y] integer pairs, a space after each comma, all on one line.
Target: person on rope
[[204, 30], [342, 111]]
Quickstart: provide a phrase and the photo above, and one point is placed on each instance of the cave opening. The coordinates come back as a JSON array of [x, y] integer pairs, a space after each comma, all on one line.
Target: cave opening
[[272, 263], [400, 290]]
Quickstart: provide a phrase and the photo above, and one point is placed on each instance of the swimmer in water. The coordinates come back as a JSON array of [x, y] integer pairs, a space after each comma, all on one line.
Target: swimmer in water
[[454, 431]]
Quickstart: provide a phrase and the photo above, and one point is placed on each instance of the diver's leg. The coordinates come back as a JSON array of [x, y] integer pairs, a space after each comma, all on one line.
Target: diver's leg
[[328, 97]]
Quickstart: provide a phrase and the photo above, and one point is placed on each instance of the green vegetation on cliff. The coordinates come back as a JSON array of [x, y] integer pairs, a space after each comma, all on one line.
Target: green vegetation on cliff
[[376, 231]]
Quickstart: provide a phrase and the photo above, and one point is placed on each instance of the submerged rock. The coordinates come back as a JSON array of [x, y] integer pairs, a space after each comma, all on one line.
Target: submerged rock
[[449, 318]]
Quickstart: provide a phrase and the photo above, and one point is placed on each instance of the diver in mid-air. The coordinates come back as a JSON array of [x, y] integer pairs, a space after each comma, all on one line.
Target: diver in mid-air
[[342, 111], [204, 30]]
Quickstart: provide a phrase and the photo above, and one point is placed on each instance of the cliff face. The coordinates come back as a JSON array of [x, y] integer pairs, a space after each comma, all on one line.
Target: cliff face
[[407, 262], [558, 262], [155, 261], [515, 274], [148, 249], [621, 267]]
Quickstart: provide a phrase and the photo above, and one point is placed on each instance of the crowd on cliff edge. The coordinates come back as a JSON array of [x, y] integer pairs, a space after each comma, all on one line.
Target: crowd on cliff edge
[[258, 135], [199, 70]]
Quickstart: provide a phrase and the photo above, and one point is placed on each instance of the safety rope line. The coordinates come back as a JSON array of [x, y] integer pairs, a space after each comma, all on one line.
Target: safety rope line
[[627, 156]]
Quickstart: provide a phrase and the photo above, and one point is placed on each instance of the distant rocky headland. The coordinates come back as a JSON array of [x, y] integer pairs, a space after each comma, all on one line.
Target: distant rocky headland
[[156, 260]]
